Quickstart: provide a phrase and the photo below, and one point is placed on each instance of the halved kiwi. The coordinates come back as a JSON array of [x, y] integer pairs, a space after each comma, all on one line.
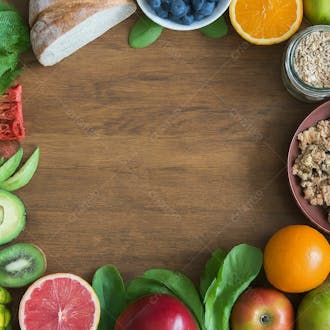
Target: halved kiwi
[[12, 216], [21, 264]]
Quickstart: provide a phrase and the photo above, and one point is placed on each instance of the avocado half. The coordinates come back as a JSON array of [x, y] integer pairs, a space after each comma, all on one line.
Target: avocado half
[[12, 216]]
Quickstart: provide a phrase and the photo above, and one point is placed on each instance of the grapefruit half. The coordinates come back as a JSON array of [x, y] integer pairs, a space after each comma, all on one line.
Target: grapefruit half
[[59, 302]]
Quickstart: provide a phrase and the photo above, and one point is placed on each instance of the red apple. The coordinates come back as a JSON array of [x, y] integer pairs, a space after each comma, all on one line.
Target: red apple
[[156, 312], [262, 308]]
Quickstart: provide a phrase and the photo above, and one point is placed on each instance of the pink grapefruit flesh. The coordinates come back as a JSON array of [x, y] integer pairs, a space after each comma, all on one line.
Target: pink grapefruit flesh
[[59, 302]]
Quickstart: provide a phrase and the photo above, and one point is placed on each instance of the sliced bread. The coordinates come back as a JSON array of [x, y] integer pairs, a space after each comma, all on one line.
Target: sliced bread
[[59, 28]]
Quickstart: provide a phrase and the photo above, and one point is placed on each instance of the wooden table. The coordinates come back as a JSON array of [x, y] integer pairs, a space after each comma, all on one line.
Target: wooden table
[[155, 157]]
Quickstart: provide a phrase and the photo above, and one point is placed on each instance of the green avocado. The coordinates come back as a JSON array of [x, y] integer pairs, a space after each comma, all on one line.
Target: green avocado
[[12, 216], [10, 166], [23, 176]]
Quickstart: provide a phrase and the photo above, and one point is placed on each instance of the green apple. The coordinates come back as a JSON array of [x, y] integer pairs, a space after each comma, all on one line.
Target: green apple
[[313, 311], [317, 11]]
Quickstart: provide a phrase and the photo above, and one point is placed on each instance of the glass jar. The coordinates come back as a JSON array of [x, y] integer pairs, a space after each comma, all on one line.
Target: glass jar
[[297, 87]]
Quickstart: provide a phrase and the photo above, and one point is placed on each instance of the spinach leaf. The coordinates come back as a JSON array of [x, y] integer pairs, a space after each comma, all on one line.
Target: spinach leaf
[[211, 270], [144, 33], [240, 268], [182, 287], [217, 29], [110, 289], [140, 287]]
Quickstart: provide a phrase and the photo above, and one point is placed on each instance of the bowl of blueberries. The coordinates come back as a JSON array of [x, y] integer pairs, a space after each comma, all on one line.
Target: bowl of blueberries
[[183, 15]]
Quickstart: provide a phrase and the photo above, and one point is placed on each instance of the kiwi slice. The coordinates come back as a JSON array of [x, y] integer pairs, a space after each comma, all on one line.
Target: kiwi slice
[[21, 264], [12, 216]]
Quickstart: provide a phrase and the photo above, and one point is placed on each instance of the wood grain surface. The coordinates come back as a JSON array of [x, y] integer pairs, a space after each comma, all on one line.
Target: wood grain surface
[[155, 157]]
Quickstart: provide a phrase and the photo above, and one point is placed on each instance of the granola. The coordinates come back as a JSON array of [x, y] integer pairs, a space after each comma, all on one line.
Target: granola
[[312, 165], [312, 59]]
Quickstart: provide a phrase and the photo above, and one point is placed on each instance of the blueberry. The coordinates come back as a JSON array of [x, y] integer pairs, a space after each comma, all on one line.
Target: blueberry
[[154, 3], [166, 6], [198, 4], [198, 16], [187, 19], [161, 12], [178, 8], [174, 19], [166, 3], [207, 8]]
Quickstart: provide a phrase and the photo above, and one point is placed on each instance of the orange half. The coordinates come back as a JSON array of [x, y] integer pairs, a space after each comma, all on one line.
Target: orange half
[[266, 22]]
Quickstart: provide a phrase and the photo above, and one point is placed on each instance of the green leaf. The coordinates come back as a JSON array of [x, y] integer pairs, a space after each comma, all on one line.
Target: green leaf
[[110, 289], [140, 287], [240, 268], [14, 39], [8, 62], [211, 270], [182, 287], [7, 79], [144, 33], [215, 30], [14, 33]]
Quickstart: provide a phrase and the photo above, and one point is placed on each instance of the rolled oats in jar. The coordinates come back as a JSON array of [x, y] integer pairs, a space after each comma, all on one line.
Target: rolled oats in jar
[[306, 64]]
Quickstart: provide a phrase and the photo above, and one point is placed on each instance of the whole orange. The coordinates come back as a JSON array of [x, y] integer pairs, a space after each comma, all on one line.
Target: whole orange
[[297, 259]]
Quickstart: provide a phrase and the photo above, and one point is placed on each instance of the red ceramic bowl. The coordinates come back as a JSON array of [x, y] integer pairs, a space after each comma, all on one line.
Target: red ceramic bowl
[[316, 214]]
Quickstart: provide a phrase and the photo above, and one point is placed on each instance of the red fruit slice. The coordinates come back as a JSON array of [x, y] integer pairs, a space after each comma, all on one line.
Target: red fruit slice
[[11, 115], [59, 302]]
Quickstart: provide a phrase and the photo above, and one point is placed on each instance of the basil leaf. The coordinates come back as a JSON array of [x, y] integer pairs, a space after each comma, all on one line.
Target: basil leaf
[[215, 30], [211, 270], [141, 287], [144, 33], [7, 79], [14, 33], [240, 268], [110, 289], [182, 287]]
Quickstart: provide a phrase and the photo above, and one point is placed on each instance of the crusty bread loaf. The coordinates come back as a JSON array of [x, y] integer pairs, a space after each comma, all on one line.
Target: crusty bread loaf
[[60, 27], [37, 7]]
